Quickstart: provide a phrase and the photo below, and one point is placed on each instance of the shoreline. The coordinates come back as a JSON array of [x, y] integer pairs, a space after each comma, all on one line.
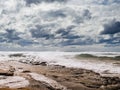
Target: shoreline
[[69, 78], [57, 71]]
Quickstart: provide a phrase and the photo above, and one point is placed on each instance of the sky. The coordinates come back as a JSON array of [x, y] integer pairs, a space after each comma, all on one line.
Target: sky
[[60, 25]]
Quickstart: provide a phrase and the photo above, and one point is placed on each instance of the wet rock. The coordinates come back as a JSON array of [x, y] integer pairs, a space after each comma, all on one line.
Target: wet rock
[[2, 77], [111, 87], [116, 64], [48, 82], [91, 83], [106, 72], [102, 87], [35, 63], [9, 72], [20, 68], [11, 69], [6, 74], [14, 82], [110, 80], [26, 71], [59, 66], [39, 63], [77, 73], [43, 63], [54, 76]]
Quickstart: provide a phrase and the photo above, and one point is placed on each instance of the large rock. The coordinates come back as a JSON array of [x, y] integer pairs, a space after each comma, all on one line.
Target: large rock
[[9, 72], [6, 73], [39, 63], [48, 82], [14, 82]]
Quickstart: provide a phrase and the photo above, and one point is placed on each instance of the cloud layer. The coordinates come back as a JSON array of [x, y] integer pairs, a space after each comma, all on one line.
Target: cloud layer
[[111, 28], [59, 23], [46, 1]]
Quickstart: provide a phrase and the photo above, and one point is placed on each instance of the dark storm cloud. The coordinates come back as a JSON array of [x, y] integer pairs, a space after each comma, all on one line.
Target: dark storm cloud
[[82, 40], [45, 32], [12, 34], [25, 42], [47, 1], [111, 28], [62, 31], [110, 41], [41, 32], [66, 33], [2, 39], [9, 36]]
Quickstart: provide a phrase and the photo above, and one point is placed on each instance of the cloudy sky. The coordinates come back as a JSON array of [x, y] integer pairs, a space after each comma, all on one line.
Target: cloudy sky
[[63, 25]]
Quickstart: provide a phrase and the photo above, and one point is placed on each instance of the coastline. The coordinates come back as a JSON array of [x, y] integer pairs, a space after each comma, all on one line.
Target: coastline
[[57, 71], [60, 76]]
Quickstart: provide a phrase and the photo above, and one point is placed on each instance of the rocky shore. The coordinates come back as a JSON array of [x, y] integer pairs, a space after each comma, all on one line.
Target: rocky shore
[[16, 75]]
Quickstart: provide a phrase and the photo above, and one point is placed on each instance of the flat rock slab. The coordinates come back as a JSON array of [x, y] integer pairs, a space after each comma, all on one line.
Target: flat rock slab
[[47, 81], [6, 73], [14, 82]]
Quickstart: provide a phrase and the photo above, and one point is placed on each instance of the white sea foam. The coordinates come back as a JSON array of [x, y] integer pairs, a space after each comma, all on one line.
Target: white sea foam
[[67, 59]]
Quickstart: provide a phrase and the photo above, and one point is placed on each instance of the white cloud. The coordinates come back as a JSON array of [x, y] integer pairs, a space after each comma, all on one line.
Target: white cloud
[[87, 17]]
